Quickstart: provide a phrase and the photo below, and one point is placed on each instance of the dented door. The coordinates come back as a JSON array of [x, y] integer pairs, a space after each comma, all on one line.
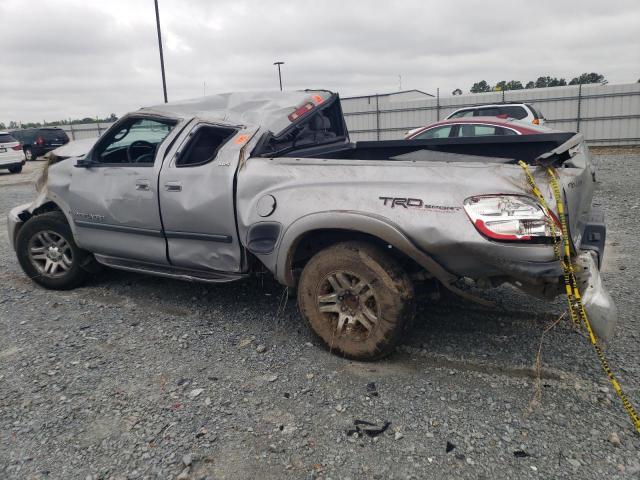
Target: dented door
[[115, 212], [113, 195], [197, 200]]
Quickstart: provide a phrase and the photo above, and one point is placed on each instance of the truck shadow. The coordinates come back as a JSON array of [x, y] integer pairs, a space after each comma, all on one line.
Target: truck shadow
[[450, 332]]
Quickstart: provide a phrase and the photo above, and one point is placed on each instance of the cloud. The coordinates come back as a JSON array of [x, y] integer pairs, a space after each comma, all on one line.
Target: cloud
[[72, 58]]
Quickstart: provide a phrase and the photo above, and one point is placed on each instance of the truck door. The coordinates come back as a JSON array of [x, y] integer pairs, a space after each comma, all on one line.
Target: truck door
[[197, 194], [113, 197]]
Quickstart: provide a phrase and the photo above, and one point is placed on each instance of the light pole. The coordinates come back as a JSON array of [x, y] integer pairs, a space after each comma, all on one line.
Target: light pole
[[164, 81], [279, 73]]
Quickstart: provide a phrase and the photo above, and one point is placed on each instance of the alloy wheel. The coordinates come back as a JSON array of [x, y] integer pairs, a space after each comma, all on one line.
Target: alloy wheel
[[50, 254], [349, 303]]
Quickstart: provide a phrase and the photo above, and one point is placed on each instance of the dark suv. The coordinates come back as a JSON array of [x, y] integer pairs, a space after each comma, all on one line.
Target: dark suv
[[38, 141]]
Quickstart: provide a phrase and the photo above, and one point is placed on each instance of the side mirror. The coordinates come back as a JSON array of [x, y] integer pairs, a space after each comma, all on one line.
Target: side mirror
[[85, 162]]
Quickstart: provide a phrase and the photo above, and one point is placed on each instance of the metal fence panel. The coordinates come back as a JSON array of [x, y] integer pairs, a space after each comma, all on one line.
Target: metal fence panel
[[85, 130], [605, 114]]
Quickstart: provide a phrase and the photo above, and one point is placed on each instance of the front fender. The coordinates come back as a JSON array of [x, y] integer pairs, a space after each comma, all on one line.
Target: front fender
[[367, 223], [14, 223]]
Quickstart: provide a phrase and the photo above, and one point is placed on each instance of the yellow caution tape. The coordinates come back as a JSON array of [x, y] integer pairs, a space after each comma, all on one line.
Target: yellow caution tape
[[576, 308]]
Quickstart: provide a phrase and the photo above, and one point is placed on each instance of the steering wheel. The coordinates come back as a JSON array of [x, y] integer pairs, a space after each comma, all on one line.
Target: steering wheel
[[136, 144]]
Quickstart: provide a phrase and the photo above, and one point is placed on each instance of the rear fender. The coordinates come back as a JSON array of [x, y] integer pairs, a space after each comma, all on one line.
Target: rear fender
[[370, 224]]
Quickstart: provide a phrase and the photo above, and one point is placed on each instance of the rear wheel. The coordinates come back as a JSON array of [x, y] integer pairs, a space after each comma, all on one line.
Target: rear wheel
[[17, 169], [48, 254], [28, 154], [357, 299]]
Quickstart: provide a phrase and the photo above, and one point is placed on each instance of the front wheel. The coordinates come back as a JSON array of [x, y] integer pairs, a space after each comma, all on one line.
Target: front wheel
[[48, 254], [357, 299], [17, 169]]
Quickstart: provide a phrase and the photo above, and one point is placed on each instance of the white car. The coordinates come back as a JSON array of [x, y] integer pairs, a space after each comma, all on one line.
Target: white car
[[11, 157], [525, 112]]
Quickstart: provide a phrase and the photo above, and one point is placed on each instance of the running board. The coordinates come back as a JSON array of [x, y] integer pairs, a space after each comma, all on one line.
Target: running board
[[168, 271]]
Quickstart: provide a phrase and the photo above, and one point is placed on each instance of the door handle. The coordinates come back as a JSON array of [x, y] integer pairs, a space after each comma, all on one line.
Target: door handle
[[143, 185], [173, 186]]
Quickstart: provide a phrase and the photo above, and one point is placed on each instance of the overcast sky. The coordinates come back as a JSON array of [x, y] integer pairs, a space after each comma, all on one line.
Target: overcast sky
[[77, 58]]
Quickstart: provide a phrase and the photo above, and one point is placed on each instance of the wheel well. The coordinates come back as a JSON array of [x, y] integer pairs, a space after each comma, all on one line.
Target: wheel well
[[46, 207], [312, 242]]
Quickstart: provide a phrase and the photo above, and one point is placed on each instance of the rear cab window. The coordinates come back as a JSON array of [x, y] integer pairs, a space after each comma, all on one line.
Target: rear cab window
[[204, 146]]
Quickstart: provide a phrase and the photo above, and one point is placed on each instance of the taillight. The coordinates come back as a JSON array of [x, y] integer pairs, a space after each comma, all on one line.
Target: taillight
[[298, 112], [40, 141], [536, 121], [508, 217], [17, 147]]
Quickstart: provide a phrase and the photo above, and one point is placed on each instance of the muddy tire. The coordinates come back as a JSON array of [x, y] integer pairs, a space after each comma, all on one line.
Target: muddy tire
[[48, 253], [356, 299]]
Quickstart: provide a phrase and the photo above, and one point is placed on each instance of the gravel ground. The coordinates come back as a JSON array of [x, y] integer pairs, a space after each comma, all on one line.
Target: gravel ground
[[140, 377]]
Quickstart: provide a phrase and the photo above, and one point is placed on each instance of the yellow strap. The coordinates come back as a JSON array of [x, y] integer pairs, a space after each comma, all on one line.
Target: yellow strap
[[576, 308]]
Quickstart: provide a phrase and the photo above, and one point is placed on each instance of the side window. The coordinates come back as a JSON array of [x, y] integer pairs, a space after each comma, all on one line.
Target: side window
[[505, 131], [482, 130], [204, 145], [462, 113], [438, 132], [488, 112], [476, 130], [136, 141], [514, 112]]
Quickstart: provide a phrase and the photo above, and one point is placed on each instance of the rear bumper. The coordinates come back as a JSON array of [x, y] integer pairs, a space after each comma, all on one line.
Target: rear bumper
[[11, 163], [595, 234], [600, 309]]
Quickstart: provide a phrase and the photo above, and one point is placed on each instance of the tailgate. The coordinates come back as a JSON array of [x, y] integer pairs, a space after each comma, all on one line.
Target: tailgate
[[576, 175]]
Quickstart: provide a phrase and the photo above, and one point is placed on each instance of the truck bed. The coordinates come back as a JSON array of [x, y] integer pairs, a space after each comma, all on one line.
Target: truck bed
[[482, 149]]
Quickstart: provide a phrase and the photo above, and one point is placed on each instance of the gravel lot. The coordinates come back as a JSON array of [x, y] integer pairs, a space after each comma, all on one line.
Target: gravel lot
[[140, 377]]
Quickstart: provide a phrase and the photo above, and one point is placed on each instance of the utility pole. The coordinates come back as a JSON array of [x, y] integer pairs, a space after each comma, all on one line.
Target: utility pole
[[279, 73], [164, 81]]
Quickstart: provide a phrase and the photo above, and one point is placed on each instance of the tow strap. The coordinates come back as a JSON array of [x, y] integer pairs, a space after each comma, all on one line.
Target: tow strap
[[574, 299]]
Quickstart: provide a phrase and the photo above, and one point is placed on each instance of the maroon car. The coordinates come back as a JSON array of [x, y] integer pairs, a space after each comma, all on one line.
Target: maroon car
[[475, 127]]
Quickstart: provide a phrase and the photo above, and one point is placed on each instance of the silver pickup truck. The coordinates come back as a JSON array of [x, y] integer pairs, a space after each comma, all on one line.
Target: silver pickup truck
[[216, 188]]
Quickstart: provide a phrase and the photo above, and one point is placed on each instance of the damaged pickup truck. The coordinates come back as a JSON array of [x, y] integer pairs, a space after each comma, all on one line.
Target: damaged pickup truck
[[216, 188]]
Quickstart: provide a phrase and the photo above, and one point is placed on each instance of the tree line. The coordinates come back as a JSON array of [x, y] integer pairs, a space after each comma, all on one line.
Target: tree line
[[13, 125], [541, 82]]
